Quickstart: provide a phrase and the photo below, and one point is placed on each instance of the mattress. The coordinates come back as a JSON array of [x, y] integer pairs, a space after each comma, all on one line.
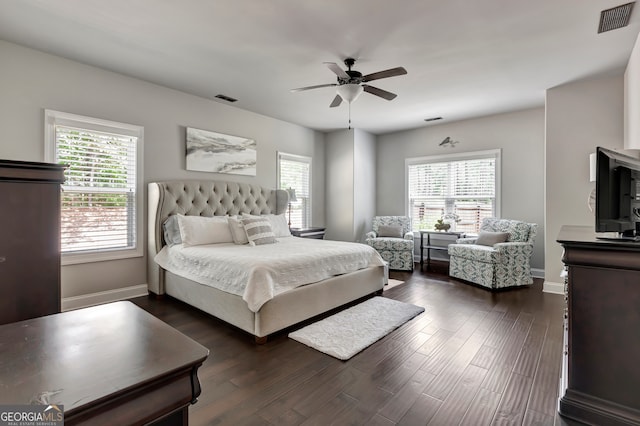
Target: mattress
[[259, 273]]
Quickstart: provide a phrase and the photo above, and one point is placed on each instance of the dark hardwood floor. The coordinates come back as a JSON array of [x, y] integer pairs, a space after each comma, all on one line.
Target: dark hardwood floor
[[474, 357]]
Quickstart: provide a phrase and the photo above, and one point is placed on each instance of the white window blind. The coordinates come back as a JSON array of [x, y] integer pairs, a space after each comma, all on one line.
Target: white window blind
[[100, 198], [461, 190], [294, 171]]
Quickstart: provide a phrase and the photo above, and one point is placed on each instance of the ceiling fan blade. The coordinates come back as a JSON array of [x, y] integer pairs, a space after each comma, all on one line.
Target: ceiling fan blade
[[379, 92], [300, 89], [336, 101], [384, 74], [336, 69]]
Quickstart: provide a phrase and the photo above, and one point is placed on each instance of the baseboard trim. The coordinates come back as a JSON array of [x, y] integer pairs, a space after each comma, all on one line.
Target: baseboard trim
[[537, 273], [554, 288], [85, 300], [589, 409]]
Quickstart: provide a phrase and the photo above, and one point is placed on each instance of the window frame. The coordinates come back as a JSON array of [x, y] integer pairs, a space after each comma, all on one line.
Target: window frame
[[462, 156], [300, 158], [53, 118]]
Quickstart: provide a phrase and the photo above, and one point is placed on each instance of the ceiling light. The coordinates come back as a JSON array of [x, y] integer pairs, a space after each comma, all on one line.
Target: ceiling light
[[349, 92]]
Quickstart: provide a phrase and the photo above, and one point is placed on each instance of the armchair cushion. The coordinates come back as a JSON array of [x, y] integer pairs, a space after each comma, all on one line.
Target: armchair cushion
[[489, 238], [475, 253], [390, 243], [466, 240], [394, 231], [514, 249], [498, 253]]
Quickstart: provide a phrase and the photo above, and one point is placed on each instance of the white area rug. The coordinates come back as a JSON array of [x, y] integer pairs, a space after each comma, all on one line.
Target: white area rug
[[348, 332]]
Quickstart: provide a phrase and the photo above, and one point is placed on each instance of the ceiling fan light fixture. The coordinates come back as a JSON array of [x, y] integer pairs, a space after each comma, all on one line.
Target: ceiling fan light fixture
[[349, 92]]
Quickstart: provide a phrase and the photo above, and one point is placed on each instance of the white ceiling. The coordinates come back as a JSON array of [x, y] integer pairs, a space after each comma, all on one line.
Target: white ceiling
[[464, 58]]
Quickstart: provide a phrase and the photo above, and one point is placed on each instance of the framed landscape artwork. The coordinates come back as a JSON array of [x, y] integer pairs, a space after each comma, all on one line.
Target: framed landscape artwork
[[219, 153]]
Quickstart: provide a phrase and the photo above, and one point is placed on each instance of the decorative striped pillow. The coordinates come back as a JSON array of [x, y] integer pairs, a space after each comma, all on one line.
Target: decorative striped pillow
[[259, 231]]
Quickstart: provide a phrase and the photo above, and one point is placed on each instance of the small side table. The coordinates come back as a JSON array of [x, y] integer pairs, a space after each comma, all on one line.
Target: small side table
[[312, 232], [430, 246]]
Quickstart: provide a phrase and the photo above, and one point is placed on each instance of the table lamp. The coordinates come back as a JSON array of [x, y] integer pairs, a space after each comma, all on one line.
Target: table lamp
[[292, 199]]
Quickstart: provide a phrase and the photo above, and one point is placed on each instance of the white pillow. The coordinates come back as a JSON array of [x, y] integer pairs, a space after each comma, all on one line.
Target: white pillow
[[279, 224], [237, 230], [246, 215], [198, 230], [171, 230]]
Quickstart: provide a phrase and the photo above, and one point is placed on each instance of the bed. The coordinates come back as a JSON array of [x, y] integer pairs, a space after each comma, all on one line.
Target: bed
[[283, 308]]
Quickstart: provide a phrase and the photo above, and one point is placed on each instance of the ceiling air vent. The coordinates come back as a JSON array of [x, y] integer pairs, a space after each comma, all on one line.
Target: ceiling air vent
[[616, 17], [226, 98], [433, 119]]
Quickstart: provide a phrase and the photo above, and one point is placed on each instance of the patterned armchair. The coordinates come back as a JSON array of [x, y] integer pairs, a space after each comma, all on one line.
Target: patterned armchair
[[505, 264], [393, 239]]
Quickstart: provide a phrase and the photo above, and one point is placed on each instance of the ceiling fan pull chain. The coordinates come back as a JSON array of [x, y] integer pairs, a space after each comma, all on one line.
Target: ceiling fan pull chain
[[349, 115]]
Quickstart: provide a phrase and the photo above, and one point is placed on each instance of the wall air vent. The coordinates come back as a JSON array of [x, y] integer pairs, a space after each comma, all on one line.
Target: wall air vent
[[226, 98], [616, 17]]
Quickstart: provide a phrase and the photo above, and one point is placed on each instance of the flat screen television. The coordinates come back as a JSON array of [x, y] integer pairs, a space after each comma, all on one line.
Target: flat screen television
[[617, 196]]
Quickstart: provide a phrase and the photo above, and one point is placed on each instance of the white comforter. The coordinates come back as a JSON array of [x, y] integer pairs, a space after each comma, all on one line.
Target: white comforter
[[261, 272]]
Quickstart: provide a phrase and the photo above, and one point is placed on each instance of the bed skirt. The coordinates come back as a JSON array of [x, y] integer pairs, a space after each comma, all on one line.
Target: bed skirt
[[283, 310]]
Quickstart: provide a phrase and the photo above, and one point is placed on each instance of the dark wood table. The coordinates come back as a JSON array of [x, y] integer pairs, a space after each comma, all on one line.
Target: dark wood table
[[112, 364]]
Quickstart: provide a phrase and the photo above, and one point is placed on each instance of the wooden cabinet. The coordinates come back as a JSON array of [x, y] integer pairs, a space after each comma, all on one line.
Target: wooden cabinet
[[601, 379], [30, 243], [112, 364]]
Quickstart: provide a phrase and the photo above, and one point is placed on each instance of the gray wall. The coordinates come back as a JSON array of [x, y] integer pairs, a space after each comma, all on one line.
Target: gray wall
[[350, 184], [520, 136], [580, 116], [364, 197], [632, 99], [339, 152], [31, 81]]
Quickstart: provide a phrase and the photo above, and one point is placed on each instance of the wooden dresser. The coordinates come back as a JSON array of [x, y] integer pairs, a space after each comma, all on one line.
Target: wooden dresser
[[111, 364], [30, 243], [601, 373]]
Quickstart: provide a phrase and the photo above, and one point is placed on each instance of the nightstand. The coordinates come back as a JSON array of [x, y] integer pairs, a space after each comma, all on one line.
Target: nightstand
[[313, 232]]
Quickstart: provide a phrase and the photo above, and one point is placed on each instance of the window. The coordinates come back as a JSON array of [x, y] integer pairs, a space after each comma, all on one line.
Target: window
[[101, 199], [294, 171], [462, 189]]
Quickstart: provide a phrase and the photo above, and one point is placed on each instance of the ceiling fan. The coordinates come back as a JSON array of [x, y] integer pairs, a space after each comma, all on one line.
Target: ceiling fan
[[350, 83]]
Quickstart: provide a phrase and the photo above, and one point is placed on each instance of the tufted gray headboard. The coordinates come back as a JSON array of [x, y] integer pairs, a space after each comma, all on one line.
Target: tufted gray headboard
[[202, 198]]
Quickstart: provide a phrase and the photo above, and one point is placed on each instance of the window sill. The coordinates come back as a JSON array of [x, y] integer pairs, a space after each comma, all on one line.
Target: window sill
[[100, 256]]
